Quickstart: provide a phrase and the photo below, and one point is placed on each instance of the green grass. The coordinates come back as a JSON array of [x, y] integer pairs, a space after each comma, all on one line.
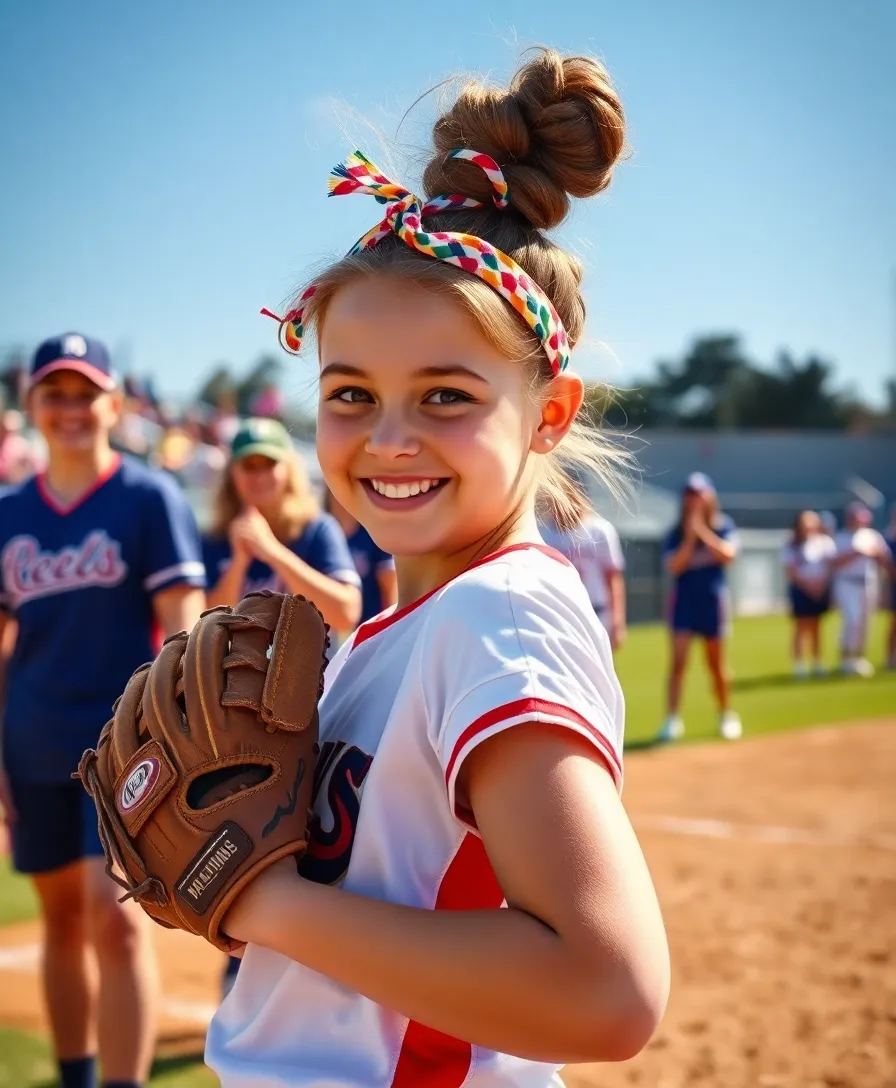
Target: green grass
[[18, 901], [765, 694], [27, 1062]]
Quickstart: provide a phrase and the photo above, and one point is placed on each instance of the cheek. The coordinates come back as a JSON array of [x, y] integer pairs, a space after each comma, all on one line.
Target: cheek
[[338, 437], [494, 445]]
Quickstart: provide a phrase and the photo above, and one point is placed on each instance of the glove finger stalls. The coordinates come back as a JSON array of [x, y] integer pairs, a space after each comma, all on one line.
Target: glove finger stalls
[[128, 716], [295, 672], [207, 647], [161, 708], [247, 662]]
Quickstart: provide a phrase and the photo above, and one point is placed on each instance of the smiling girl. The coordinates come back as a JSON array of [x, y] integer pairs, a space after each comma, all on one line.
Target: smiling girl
[[474, 907]]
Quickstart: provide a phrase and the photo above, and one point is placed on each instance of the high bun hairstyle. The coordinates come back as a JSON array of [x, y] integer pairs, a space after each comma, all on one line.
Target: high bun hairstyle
[[556, 132]]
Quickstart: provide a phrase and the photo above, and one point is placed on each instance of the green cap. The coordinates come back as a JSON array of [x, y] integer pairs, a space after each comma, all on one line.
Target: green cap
[[266, 437]]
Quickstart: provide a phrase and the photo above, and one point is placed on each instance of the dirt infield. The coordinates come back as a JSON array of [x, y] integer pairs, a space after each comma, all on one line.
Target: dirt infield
[[775, 861]]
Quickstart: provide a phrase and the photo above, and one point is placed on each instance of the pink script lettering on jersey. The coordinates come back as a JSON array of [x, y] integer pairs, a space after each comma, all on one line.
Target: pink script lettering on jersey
[[29, 573]]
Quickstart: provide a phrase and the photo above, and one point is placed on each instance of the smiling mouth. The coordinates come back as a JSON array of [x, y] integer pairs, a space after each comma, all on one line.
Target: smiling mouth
[[404, 490]]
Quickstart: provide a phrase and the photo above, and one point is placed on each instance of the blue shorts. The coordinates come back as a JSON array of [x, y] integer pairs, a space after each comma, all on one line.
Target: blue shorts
[[56, 824], [804, 606], [706, 615]]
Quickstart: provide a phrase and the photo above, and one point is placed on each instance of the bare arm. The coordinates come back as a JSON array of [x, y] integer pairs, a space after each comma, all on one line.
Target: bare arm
[[178, 608], [679, 560], [8, 632], [723, 551], [229, 587], [575, 969], [616, 592], [339, 602]]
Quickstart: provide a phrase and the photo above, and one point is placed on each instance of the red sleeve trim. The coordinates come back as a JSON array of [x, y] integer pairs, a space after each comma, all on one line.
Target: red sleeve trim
[[520, 707]]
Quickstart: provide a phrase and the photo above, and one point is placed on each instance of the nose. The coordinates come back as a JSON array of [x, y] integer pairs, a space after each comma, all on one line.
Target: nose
[[392, 436]]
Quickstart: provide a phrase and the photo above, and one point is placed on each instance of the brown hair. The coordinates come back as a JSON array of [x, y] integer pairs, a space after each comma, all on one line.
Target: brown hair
[[299, 505], [799, 534], [557, 132]]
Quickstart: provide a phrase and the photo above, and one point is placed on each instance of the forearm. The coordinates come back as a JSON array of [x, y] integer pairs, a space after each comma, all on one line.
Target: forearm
[[178, 608], [339, 603], [721, 550], [678, 561], [616, 587], [229, 587], [496, 978]]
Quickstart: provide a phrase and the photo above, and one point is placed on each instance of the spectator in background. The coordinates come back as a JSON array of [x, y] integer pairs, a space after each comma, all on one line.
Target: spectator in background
[[269, 533], [696, 552], [376, 568], [595, 550], [891, 573], [807, 560], [861, 552], [827, 522], [19, 458], [97, 554]]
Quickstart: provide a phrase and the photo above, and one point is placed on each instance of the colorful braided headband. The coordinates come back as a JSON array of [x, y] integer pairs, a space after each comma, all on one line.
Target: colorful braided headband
[[404, 214]]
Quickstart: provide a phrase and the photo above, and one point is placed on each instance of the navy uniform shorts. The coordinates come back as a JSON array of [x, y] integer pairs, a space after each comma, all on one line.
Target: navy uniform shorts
[[56, 824], [706, 615]]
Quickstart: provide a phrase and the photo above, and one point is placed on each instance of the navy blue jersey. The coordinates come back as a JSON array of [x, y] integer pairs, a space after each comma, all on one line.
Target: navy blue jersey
[[79, 581], [370, 560], [321, 545], [704, 576]]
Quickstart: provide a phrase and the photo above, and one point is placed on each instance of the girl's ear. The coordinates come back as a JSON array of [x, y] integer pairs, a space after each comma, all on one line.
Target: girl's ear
[[564, 396]]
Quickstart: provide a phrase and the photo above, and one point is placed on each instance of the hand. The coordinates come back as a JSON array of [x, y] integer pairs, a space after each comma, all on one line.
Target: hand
[[693, 520], [6, 802], [239, 550], [244, 920], [251, 533], [618, 634]]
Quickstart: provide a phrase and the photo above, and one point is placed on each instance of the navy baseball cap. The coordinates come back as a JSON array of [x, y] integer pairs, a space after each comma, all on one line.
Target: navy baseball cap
[[700, 484], [72, 351]]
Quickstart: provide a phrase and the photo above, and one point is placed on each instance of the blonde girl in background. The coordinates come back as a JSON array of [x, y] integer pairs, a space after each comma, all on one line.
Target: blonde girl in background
[[807, 563], [269, 532], [474, 908]]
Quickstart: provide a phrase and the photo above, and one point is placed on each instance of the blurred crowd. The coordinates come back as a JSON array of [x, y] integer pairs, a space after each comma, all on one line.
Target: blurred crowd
[[191, 444]]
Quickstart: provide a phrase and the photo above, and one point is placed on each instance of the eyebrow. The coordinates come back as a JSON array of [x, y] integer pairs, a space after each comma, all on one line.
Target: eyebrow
[[448, 370]]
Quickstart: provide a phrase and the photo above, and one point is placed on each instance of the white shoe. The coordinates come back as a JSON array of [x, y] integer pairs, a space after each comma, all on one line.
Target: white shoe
[[672, 729], [800, 671], [819, 669], [730, 726], [863, 667]]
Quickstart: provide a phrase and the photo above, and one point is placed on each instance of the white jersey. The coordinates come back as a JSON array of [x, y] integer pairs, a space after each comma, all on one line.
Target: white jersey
[[512, 639], [811, 558], [860, 572], [595, 550]]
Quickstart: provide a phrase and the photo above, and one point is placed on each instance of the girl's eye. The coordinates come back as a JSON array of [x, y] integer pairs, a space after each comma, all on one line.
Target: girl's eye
[[351, 394], [447, 396]]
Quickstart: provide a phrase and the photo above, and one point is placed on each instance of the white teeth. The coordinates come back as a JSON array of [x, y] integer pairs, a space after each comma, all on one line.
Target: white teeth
[[402, 491]]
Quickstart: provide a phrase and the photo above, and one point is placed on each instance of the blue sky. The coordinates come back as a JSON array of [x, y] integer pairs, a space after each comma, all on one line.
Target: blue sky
[[164, 169]]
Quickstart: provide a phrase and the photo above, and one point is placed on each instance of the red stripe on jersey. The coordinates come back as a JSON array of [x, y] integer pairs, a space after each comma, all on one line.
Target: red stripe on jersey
[[429, 1058], [535, 706], [61, 508], [374, 626]]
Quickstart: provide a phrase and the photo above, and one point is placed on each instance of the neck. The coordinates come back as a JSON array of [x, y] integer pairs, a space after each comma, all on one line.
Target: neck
[[72, 475], [419, 575]]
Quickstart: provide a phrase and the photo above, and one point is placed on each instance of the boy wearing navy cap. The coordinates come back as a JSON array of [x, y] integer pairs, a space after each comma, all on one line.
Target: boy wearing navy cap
[[99, 556]]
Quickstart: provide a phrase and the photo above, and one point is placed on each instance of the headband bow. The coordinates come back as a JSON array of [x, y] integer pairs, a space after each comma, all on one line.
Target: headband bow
[[404, 215]]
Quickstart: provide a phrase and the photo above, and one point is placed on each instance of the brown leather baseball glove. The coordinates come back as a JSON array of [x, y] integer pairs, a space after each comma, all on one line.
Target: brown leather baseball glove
[[203, 776]]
